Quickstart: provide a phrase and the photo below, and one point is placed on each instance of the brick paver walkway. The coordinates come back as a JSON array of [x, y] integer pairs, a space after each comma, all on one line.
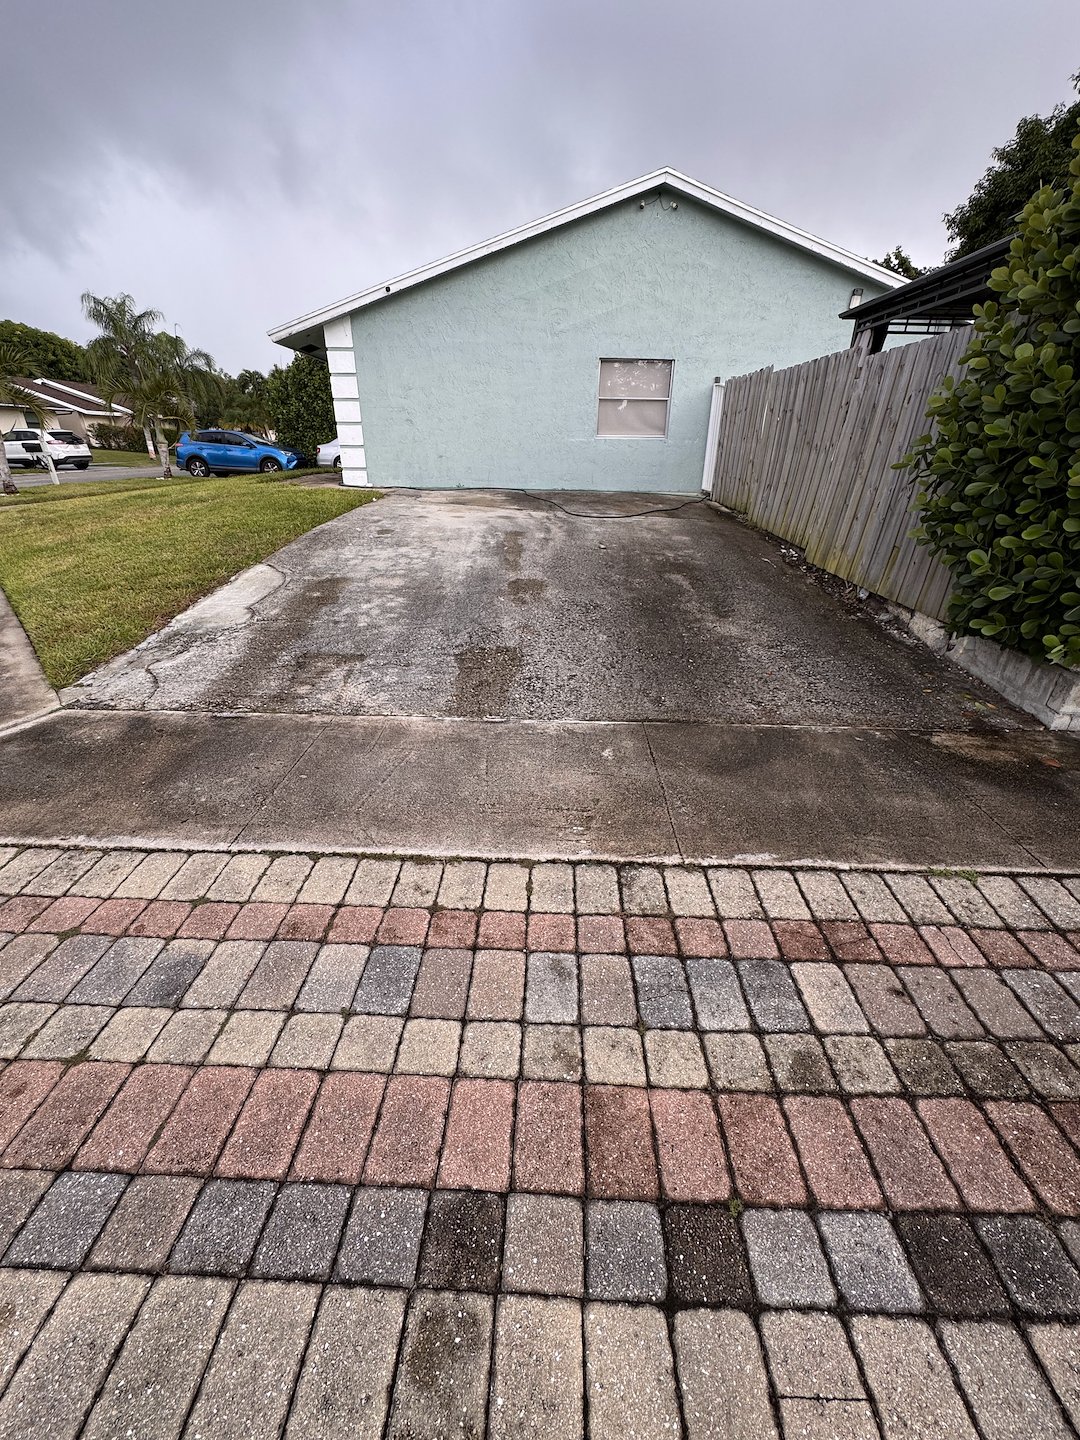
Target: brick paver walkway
[[328, 1147]]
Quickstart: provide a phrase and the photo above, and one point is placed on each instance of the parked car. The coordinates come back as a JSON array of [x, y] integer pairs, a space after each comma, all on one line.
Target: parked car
[[218, 452], [329, 454], [63, 446]]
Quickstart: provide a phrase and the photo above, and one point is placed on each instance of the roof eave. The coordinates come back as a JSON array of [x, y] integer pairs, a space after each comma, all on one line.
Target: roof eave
[[305, 325]]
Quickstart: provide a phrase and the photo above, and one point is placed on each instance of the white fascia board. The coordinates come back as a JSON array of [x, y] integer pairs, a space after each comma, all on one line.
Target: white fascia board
[[93, 405], [667, 179]]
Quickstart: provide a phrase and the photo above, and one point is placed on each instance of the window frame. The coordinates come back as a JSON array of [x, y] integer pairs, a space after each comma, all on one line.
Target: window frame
[[624, 360]]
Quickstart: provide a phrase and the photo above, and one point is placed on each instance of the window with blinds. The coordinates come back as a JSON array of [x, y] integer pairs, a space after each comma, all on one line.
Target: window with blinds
[[634, 398]]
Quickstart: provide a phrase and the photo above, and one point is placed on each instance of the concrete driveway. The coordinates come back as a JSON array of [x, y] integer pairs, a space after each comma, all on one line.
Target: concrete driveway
[[504, 605]]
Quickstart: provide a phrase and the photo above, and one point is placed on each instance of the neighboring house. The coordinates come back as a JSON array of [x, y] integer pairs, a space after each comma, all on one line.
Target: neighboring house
[[580, 351], [69, 407]]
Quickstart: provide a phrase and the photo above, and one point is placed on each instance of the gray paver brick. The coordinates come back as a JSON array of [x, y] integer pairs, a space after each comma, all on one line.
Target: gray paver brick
[[613, 1056], [629, 1373], [1054, 900], [344, 1387], [20, 957], [507, 887], [663, 997], [170, 975], [922, 904], [873, 898], [301, 1237], [717, 997], [737, 1062], [68, 1033], [491, 1049], [226, 972], [537, 1384], [786, 1260], [829, 999], [996, 1005], [551, 889], [143, 1228], [799, 1064], [722, 1374], [551, 1052], [64, 968], [117, 971], [596, 890], [20, 1191], [18, 1021], [17, 874], [187, 1037], [417, 884], [1011, 903], [129, 1034], [966, 901], [386, 985], [1009, 1396], [222, 1230], [910, 1380], [155, 1376], [332, 980], [861, 1065], [1057, 1348], [688, 891], [826, 896], [924, 1067], [1037, 1271], [544, 1250], [607, 991], [734, 894], [828, 1420], [382, 1239], [194, 877], [870, 1266], [462, 885], [551, 988], [328, 882], [276, 980], [1047, 1070], [26, 1297], [69, 1358], [373, 882], [150, 876], [643, 890], [368, 1042], [102, 879], [674, 1059], [282, 881], [772, 995], [809, 1356], [307, 1041], [986, 1070], [239, 877], [780, 896], [246, 1038], [625, 1251], [940, 1003], [249, 1382], [64, 871], [1055, 1010], [442, 1377]]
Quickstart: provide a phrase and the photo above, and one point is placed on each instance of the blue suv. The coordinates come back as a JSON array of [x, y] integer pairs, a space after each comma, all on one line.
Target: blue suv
[[218, 452]]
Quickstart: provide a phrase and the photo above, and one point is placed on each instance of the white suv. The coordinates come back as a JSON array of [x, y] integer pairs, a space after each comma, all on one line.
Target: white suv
[[64, 447]]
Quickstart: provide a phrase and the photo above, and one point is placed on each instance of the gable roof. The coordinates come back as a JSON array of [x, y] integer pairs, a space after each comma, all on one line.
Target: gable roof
[[82, 401], [307, 329]]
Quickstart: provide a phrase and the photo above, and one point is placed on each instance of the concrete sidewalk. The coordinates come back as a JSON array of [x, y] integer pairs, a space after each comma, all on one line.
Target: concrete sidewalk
[[466, 787]]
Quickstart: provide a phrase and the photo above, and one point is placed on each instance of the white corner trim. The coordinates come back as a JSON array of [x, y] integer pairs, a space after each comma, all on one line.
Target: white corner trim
[[344, 389], [666, 178]]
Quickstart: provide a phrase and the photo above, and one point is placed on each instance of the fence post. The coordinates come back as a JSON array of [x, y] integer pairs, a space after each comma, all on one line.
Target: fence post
[[712, 439]]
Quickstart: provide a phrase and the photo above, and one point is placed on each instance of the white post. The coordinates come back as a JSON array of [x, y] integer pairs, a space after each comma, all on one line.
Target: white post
[[712, 438], [341, 360]]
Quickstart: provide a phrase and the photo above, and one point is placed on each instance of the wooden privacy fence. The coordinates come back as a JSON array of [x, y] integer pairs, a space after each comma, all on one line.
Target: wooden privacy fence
[[807, 454]]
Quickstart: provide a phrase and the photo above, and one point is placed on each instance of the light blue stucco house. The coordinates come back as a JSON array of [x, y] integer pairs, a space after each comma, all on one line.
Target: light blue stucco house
[[579, 352]]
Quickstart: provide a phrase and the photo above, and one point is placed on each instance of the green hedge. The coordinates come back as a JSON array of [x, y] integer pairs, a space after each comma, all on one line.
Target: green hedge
[[999, 475]]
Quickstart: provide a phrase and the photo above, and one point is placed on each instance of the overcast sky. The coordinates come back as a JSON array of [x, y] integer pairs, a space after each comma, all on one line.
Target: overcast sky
[[235, 163]]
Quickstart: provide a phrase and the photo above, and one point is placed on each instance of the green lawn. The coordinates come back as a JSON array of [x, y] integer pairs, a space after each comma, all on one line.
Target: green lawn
[[123, 457], [92, 569]]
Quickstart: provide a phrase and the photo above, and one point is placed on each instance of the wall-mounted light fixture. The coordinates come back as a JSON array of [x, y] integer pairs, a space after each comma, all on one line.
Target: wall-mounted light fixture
[[856, 298]]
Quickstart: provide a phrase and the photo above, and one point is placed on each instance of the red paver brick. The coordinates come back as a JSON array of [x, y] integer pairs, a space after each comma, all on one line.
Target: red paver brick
[[902, 944], [306, 922], [476, 1148], [403, 927], [548, 1153], [498, 985], [832, 1154], [20, 910], [209, 921], [501, 930], [123, 1135], [65, 1117], [1052, 950], [650, 935], [67, 913], [850, 940], [751, 940], [113, 917], [161, 919], [762, 1158], [552, 932], [618, 1143], [258, 920], [1045, 1157], [701, 938], [452, 930], [336, 1140], [910, 1172], [23, 1086], [601, 935], [194, 1133], [355, 924], [266, 1134], [800, 940], [1003, 949], [973, 1156], [405, 1150], [951, 945], [1067, 1115], [691, 1153]]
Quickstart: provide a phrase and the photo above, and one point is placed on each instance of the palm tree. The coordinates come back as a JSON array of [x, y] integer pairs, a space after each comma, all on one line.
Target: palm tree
[[17, 397], [118, 356]]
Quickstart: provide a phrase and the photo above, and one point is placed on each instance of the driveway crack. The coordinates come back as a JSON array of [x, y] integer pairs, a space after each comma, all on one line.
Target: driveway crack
[[663, 792], [251, 819]]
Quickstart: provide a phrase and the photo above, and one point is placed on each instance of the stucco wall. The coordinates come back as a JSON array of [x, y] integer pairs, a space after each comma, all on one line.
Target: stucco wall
[[488, 375]]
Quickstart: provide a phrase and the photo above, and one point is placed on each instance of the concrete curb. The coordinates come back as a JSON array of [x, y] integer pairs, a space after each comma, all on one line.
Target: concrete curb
[[25, 694]]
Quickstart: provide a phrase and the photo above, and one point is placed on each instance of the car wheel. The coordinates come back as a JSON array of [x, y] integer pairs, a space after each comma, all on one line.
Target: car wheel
[[82, 465], [337, 462], [268, 465], [198, 467]]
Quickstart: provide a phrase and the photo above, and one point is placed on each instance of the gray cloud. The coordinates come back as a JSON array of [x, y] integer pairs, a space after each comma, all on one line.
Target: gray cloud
[[237, 162]]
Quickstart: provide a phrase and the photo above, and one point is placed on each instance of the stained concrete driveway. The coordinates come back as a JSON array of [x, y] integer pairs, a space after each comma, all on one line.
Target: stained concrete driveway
[[488, 674], [501, 605]]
